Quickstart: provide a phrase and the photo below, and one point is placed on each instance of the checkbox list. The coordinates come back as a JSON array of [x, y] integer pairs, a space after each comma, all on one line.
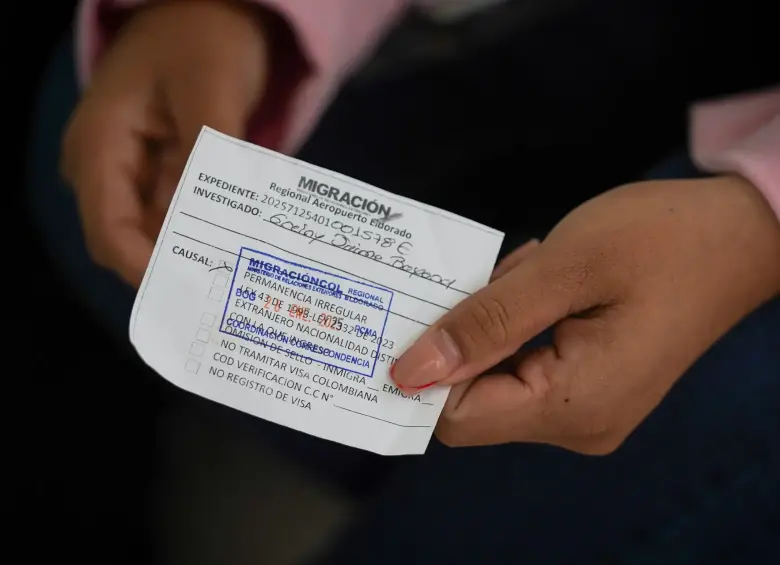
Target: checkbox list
[[202, 337], [217, 290], [197, 348]]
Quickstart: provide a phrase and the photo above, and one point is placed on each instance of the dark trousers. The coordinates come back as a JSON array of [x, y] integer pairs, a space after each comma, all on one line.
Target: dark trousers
[[697, 483]]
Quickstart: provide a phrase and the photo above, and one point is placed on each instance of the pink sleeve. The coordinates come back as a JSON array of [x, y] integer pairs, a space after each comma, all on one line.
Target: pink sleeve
[[329, 38], [741, 135]]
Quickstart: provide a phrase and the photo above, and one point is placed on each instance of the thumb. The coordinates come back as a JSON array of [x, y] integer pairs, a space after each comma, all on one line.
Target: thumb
[[489, 326]]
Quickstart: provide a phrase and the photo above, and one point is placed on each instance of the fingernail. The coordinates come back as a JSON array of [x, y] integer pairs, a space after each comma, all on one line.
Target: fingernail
[[432, 359], [412, 390], [407, 389]]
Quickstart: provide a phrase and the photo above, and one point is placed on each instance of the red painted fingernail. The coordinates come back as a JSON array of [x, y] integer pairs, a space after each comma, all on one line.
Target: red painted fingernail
[[392, 370], [413, 389]]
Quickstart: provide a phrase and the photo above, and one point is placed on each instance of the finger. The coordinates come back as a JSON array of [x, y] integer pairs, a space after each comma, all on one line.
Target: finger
[[514, 259], [528, 406], [113, 220], [491, 325], [105, 180], [487, 410], [587, 392], [166, 182], [213, 102], [164, 187], [207, 99]]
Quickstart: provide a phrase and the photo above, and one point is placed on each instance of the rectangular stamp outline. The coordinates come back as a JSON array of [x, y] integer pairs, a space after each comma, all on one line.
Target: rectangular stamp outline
[[275, 346]]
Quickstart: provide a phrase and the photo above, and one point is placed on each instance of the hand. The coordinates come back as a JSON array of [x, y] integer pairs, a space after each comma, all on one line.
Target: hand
[[176, 67], [637, 283]]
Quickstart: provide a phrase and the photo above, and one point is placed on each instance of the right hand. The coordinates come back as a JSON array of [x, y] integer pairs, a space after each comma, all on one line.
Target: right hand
[[175, 67]]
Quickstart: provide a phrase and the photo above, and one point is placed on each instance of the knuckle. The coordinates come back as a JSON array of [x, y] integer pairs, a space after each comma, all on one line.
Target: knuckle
[[598, 437], [450, 429], [81, 138], [574, 274], [95, 237], [489, 320], [96, 251], [548, 377], [600, 448], [597, 425]]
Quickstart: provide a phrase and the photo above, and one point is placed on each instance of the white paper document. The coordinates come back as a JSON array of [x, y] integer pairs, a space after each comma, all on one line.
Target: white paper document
[[287, 291]]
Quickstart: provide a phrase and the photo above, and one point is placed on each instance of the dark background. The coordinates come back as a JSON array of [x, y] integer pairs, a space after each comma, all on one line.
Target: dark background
[[80, 411]]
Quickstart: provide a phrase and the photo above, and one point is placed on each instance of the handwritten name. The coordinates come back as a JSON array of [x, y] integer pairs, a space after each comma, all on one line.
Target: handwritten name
[[340, 241]]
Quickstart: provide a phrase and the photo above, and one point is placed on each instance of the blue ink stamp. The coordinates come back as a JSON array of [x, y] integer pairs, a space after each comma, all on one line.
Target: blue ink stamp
[[305, 312]]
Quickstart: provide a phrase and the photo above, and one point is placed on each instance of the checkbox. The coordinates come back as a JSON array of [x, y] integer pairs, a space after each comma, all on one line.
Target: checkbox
[[203, 335], [220, 280], [197, 348], [192, 366], [207, 319], [216, 293]]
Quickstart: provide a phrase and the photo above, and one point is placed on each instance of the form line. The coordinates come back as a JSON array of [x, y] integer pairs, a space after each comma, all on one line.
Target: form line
[[366, 257], [312, 260], [380, 419]]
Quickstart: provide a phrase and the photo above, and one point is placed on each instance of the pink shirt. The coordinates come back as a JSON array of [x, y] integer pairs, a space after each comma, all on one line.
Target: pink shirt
[[739, 134]]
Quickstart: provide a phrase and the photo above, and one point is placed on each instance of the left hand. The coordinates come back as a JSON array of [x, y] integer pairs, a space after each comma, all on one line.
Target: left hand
[[638, 283]]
